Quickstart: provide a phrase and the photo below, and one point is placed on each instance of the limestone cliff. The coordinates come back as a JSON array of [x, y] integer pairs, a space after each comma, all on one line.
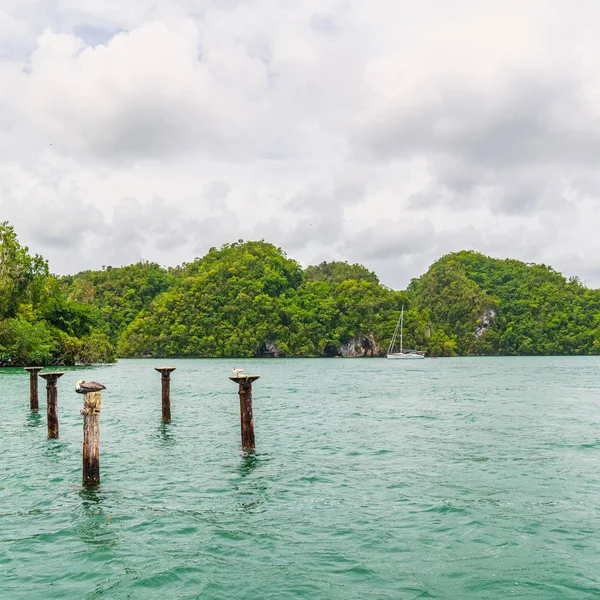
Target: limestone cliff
[[360, 346]]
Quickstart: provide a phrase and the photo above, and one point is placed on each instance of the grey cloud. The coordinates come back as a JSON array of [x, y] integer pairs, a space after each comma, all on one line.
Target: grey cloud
[[199, 115], [135, 225], [527, 190], [59, 219], [216, 230], [75, 236], [510, 151], [386, 240], [400, 253], [584, 266], [219, 223], [217, 191], [151, 127], [316, 215], [541, 119], [145, 94]]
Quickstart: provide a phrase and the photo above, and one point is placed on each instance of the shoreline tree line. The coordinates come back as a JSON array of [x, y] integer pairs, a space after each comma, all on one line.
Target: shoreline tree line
[[250, 299]]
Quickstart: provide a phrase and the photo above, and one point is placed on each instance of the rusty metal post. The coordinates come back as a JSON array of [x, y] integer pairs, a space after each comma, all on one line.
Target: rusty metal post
[[52, 395], [165, 373], [33, 387], [91, 439], [246, 418]]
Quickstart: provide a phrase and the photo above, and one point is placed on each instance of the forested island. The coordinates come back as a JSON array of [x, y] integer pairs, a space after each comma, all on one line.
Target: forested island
[[248, 299]]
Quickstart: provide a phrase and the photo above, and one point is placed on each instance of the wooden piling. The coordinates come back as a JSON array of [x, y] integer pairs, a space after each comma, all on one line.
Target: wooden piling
[[91, 439], [165, 373], [33, 387], [246, 418], [52, 401]]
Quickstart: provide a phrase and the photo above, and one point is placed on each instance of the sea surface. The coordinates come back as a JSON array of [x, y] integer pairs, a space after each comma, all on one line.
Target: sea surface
[[466, 478]]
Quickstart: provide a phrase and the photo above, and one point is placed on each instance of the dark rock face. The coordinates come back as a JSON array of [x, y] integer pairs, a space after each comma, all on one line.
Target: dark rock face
[[331, 351], [484, 321], [267, 349], [360, 346], [363, 345]]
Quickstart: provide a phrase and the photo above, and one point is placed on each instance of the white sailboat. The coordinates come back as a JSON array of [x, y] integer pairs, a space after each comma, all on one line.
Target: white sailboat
[[408, 354]]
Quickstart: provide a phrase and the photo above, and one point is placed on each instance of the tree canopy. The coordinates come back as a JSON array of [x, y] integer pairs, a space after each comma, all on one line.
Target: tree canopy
[[483, 305], [250, 299], [39, 323]]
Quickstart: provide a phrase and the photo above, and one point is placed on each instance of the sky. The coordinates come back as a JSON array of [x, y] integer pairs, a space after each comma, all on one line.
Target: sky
[[387, 132]]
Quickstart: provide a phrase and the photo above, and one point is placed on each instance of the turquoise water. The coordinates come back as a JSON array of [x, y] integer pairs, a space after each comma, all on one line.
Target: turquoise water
[[473, 478]]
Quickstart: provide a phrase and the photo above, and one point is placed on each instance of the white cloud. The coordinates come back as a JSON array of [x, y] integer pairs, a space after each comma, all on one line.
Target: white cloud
[[383, 132], [146, 93]]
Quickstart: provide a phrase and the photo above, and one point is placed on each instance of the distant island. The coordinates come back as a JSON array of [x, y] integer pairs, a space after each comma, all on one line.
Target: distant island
[[248, 299]]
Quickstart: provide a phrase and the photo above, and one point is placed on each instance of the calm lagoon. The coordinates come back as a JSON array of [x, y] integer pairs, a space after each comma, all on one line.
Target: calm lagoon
[[470, 478]]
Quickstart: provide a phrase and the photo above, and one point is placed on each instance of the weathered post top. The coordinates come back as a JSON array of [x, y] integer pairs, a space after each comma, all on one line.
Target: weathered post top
[[166, 371], [244, 378], [33, 369], [52, 377]]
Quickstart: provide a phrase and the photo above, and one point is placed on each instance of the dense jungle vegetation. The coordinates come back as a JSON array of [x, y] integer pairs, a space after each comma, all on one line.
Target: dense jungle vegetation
[[39, 322], [249, 299]]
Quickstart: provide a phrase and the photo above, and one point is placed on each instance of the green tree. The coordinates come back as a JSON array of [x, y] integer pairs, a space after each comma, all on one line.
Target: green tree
[[22, 276], [338, 272], [39, 324]]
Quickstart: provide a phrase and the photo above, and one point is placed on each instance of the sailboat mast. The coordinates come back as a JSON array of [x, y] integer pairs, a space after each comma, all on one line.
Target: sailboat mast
[[401, 327], [391, 347]]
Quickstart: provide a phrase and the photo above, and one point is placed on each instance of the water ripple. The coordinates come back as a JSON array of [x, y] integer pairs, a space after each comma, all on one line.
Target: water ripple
[[455, 479]]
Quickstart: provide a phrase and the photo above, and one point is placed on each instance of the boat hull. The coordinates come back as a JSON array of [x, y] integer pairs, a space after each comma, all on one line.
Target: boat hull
[[405, 356]]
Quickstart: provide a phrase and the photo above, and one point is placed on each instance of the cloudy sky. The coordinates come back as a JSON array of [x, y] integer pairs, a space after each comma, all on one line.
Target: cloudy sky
[[386, 132]]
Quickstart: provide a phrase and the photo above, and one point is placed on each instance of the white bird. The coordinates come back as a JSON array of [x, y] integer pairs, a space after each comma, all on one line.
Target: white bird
[[238, 372]]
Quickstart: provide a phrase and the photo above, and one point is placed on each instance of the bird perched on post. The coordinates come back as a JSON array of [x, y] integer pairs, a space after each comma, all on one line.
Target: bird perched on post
[[238, 372], [84, 387]]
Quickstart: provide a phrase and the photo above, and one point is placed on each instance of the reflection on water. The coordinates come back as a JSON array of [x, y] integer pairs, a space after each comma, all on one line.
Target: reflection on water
[[249, 463], [57, 449], [91, 497], [252, 491], [92, 524], [34, 419], [166, 434]]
